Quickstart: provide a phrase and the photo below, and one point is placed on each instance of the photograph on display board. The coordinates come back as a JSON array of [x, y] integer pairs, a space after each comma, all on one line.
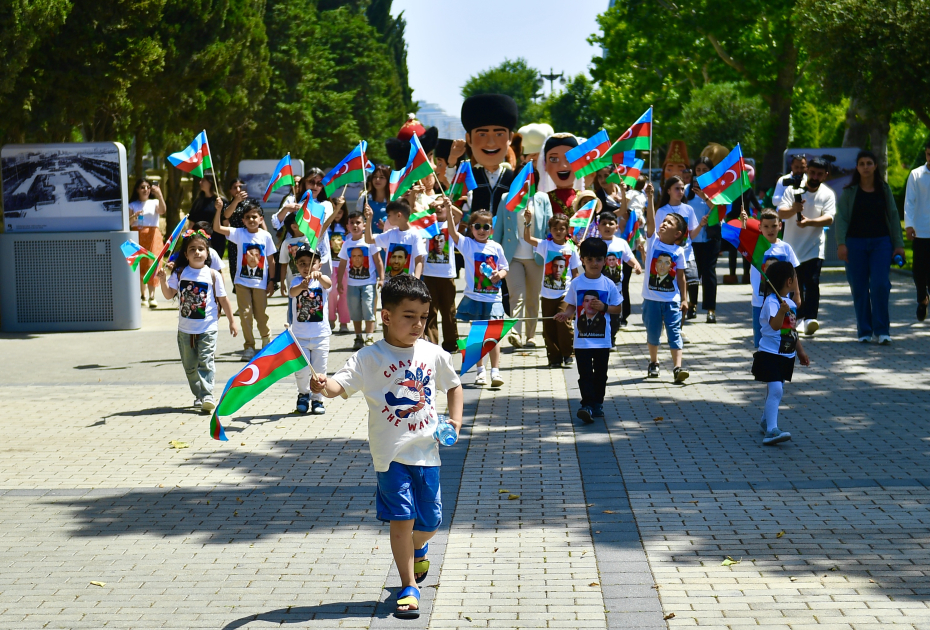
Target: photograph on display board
[[255, 174], [64, 187], [842, 164]]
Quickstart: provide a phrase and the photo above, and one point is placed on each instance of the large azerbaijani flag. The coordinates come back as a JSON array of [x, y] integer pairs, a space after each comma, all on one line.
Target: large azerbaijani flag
[[724, 183], [417, 168], [586, 158], [170, 245], [628, 173], [637, 137], [748, 240], [134, 254], [482, 337], [582, 219], [463, 181], [282, 357], [426, 222], [522, 188], [310, 219], [195, 158], [282, 176], [633, 229], [352, 168]]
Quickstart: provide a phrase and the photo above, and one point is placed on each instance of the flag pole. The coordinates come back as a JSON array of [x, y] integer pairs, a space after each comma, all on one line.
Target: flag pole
[[652, 123], [216, 186]]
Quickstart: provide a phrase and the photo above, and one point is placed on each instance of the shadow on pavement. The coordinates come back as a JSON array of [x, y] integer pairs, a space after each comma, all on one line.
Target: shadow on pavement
[[301, 614]]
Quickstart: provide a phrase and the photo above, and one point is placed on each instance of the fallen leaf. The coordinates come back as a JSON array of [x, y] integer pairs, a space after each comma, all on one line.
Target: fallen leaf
[[694, 502], [593, 584], [656, 586], [513, 496], [659, 419], [793, 579], [468, 618], [242, 443], [872, 581], [669, 616], [589, 505], [235, 513], [728, 561], [780, 534], [101, 584], [178, 444], [161, 485], [208, 502], [834, 568], [495, 549], [609, 512], [503, 491]]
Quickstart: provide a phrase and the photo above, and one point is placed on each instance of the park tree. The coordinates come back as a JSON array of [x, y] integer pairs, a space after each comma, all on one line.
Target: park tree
[[392, 30], [24, 24], [572, 109], [515, 79], [726, 113]]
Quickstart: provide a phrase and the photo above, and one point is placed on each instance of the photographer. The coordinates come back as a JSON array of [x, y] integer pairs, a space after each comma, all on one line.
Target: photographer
[[796, 179], [807, 211]]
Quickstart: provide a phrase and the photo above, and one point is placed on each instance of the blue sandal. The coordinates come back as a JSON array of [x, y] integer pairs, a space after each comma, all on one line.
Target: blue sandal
[[421, 566], [410, 596]]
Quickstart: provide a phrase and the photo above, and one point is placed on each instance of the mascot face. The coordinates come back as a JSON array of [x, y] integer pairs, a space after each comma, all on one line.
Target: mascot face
[[557, 167], [489, 145], [673, 169]]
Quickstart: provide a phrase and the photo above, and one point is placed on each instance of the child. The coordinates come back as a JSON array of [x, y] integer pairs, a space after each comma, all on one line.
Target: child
[[673, 193], [309, 292], [560, 258], [199, 289], [774, 363], [485, 268], [294, 238], [404, 247], [338, 301], [664, 293], [398, 376], [618, 254], [255, 268], [592, 300], [439, 275], [366, 269], [780, 250]]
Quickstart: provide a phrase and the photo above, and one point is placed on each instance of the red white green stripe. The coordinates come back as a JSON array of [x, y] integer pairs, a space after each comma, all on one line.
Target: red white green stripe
[[417, 168], [310, 219]]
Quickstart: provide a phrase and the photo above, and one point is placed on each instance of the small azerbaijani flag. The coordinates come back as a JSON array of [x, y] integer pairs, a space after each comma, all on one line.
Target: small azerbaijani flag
[[310, 219], [581, 220], [282, 357], [463, 182], [748, 241], [353, 168], [522, 188], [632, 230], [482, 337], [724, 183], [282, 176], [134, 254], [586, 157], [627, 172], [173, 239], [417, 168], [195, 158], [639, 136], [426, 222]]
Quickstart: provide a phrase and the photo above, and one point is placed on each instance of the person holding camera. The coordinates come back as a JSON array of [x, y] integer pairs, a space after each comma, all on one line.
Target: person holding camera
[[807, 210], [797, 178]]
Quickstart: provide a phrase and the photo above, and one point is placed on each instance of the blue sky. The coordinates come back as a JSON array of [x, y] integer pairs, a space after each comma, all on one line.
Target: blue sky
[[450, 41]]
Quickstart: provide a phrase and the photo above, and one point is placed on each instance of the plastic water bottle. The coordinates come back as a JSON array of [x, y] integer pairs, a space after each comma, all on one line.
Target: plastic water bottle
[[445, 432], [488, 271], [899, 260]]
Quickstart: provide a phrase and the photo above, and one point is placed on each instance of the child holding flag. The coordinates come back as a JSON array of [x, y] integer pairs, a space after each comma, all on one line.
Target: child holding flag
[[404, 247], [439, 275], [199, 289], [309, 294], [365, 271], [620, 262], [398, 376]]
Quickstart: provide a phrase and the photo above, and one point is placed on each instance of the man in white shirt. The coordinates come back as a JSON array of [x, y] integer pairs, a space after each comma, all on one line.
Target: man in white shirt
[[807, 211], [917, 226], [797, 179]]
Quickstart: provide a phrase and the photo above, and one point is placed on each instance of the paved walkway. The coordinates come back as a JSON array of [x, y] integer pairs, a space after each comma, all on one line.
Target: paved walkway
[[548, 523]]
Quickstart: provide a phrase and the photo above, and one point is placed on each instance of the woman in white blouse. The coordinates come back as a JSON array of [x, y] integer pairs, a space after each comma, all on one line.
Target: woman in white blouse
[[146, 205]]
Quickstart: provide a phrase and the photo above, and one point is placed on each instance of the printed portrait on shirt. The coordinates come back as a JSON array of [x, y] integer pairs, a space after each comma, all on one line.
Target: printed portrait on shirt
[[291, 263], [612, 270], [253, 261], [662, 272], [410, 396], [310, 305], [335, 243], [556, 270], [591, 320], [789, 336], [765, 268], [398, 260], [193, 299], [358, 263], [439, 248], [485, 266]]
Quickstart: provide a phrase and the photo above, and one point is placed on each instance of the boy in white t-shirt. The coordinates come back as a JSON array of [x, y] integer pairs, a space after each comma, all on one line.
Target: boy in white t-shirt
[[439, 275], [399, 376], [309, 295], [404, 247], [618, 255], [365, 274]]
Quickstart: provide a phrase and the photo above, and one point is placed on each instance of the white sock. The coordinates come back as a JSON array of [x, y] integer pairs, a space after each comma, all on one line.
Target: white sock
[[494, 370], [480, 369]]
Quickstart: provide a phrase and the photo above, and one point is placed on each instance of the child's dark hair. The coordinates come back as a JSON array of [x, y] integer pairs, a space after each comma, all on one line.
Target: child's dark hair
[[607, 215], [249, 204], [558, 219], [778, 273], [398, 206], [478, 215], [205, 227], [303, 251], [593, 248], [682, 226], [355, 214], [404, 287], [181, 262], [769, 213]]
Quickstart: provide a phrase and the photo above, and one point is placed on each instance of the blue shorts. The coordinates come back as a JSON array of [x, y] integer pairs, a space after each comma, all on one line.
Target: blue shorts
[[410, 493], [470, 310], [757, 327], [656, 313]]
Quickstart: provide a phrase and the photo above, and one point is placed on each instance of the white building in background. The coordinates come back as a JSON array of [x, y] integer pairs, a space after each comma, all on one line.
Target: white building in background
[[432, 115]]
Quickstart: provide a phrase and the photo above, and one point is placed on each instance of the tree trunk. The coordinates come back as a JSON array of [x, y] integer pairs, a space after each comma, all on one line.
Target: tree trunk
[[857, 131], [879, 127], [137, 168], [780, 121], [232, 164], [173, 198]]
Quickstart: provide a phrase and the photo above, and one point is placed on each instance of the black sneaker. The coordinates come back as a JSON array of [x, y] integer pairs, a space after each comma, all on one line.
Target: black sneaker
[[555, 364], [303, 403], [623, 323], [567, 362], [921, 312], [653, 371], [711, 318], [598, 411], [359, 343], [585, 414], [681, 375], [317, 408], [692, 312]]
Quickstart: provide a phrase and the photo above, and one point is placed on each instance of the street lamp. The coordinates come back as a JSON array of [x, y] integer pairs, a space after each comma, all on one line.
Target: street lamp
[[551, 77]]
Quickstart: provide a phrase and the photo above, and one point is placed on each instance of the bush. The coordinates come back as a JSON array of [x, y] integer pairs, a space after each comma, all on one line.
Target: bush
[[725, 113]]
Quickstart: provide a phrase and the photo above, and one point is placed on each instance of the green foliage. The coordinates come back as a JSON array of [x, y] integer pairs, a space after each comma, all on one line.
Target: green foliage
[[392, 34], [513, 78], [23, 24], [572, 109], [724, 113]]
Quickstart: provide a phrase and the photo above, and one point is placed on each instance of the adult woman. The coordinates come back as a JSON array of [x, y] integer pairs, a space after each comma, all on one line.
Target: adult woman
[[706, 244], [143, 216], [203, 208], [377, 196], [868, 235], [232, 217]]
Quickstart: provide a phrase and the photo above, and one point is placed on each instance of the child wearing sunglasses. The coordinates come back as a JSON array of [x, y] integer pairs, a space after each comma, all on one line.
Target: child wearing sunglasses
[[485, 269]]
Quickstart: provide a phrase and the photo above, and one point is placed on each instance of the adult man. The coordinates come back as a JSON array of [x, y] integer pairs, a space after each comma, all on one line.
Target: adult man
[[807, 211], [591, 322], [917, 226], [397, 262], [797, 178], [663, 279], [555, 279]]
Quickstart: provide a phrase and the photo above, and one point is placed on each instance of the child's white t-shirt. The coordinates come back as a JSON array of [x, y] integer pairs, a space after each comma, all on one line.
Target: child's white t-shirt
[[395, 243], [592, 328], [308, 310], [618, 253], [561, 260], [661, 273], [400, 385], [783, 342], [478, 286], [439, 263], [693, 223], [780, 250], [289, 247], [215, 261], [360, 262], [197, 292], [254, 275]]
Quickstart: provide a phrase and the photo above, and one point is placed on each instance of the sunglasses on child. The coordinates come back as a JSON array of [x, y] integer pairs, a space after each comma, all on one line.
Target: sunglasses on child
[[480, 226]]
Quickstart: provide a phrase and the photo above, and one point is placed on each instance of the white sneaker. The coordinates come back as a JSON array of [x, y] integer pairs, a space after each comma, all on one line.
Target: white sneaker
[[197, 404], [884, 340], [801, 325], [865, 339], [208, 404], [480, 379], [514, 340], [248, 354], [153, 303], [496, 380], [811, 326]]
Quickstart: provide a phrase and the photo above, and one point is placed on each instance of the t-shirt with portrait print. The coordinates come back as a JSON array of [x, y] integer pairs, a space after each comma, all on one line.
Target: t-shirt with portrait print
[[440, 263], [783, 341], [691, 219], [402, 248], [252, 267], [481, 261], [561, 260], [662, 265], [197, 292], [360, 262], [618, 253], [780, 250], [308, 309], [592, 326]]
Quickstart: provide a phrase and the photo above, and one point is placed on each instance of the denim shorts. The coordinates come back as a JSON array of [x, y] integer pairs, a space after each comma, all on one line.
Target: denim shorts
[[410, 493], [654, 314], [361, 303], [472, 310]]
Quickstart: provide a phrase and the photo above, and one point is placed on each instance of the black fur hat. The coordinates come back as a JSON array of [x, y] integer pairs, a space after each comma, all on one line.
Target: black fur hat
[[489, 110]]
